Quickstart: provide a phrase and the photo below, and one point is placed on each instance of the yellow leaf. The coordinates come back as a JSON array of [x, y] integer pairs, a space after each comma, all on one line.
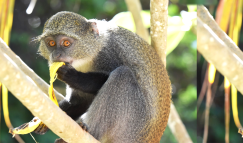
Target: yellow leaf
[[53, 70], [26, 127]]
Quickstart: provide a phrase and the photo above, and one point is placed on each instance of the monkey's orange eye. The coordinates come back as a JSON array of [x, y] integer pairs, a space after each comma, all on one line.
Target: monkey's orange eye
[[52, 43], [66, 43]]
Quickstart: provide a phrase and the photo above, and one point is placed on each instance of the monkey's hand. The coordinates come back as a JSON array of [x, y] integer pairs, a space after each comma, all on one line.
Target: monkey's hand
[[89, 82], [41, 129], [66, 72]]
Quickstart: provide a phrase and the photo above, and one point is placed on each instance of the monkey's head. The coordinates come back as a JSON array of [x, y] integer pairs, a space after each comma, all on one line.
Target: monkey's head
[[69, 37]]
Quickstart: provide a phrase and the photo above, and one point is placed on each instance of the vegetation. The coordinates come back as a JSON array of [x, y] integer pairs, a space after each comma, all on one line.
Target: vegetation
[[181, 60]]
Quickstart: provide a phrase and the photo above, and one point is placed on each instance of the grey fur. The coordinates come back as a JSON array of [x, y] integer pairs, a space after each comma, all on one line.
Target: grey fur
[[134, 103]]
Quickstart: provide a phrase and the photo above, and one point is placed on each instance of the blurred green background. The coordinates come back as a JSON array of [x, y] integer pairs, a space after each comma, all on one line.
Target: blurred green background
[[216, 129], [181, 62]]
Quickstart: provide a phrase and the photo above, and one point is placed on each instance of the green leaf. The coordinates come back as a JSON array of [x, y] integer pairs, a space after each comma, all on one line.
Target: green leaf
[[173, 10]]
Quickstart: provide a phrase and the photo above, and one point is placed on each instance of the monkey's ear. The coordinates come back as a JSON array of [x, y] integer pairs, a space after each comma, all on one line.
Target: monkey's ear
[[94, 28]]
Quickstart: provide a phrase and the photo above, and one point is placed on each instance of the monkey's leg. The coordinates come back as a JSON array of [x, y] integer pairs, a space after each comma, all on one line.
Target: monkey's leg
[[119, 112]]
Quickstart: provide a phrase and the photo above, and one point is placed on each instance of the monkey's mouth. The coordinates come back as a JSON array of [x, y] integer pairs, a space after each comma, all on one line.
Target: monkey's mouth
[[65, 60], [70, 62]]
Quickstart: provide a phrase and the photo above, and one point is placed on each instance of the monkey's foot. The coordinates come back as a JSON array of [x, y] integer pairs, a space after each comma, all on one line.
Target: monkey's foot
[[83, 125], [41, 129], [65, 71], [60, 141]]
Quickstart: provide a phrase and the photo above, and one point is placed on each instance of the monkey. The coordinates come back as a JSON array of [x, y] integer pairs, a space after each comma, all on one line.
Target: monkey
[[117, 88]]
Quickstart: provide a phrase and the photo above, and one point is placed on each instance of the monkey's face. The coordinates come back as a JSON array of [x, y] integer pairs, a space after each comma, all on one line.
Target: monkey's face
[[59, 48], [69, 37], [62, 48]]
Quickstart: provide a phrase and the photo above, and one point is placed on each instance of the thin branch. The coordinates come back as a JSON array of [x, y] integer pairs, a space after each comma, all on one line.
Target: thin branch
[[203, 90], [28, 71], [227, 112], [23, 88], [217, 52], [159, 24], [159, 14], [159, 21], [177, 127], [134, 6], [207, 110]]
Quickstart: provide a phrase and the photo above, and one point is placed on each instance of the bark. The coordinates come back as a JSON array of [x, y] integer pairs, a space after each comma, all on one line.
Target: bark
[[24, 88], [159, 24], [159, 21], [38, 81], [217, 52], [208, 19]]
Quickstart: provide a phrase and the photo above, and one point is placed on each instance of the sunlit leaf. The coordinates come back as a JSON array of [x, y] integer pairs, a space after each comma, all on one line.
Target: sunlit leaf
[[125, 20], [177, 26], [173, 40], [211, 73], [192, 8], [226, 14]]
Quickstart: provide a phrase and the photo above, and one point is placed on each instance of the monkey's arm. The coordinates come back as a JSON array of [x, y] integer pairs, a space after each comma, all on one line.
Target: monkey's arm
[[83, 89], [87, 82], [77, 105]]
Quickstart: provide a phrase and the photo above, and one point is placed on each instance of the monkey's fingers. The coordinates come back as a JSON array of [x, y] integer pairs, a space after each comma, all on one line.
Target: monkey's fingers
[[41, 129], [26, 127], [64, 71], [60, 140], [82, 124]]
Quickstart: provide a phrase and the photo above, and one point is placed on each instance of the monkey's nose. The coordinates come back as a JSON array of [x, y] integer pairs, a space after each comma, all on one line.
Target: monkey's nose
[[56, 57]]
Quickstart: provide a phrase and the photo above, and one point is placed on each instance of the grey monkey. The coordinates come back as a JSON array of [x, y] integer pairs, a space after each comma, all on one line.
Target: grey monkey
[[112, 75]]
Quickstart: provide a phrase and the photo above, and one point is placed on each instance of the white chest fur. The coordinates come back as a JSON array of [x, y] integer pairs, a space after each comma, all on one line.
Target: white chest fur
[[83, 65]]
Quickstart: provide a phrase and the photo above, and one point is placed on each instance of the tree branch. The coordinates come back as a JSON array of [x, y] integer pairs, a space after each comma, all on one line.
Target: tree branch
[[217, 52], [159, 21], [38, 81], [23, 88], [159, 24], [208, 19], [134, 6], [177, 127]]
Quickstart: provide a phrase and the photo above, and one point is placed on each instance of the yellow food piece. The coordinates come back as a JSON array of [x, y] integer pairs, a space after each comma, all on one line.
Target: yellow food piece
[[53, 70], [26, 127], [35, 122], [5, 104]]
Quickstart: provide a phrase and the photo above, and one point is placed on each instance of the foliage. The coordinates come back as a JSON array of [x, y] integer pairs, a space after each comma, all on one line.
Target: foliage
[[217, 116], [181, 63]]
